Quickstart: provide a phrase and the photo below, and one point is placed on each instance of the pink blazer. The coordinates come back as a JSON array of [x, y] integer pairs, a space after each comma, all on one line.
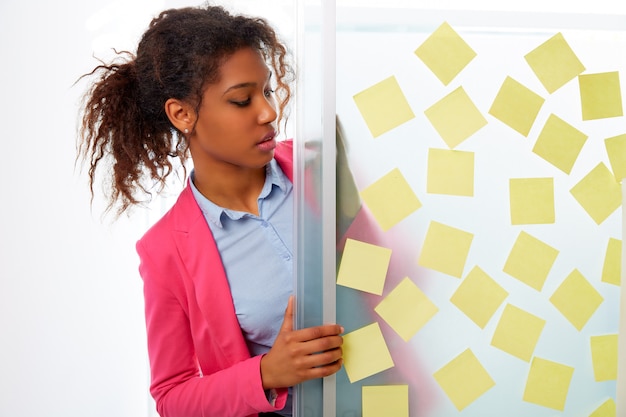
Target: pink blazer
[[199, 361]]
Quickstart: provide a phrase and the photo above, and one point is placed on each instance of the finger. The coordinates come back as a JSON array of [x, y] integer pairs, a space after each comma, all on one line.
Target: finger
[[317, 346], [320, 359], [287, 325], [318, 332], [325, 370]]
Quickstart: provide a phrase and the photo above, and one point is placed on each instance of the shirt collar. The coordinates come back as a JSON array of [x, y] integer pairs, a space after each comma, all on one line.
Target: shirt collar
[[213, 213]]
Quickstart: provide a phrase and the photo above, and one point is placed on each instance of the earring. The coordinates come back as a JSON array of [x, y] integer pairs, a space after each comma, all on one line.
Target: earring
[[186, 131]]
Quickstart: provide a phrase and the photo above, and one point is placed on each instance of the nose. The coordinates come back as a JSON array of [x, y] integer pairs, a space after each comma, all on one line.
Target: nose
[[267, 113]]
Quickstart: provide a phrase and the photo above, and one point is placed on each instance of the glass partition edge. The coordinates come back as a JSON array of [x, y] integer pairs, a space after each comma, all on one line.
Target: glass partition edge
[[329, 182], [620, 399], [314, 188]]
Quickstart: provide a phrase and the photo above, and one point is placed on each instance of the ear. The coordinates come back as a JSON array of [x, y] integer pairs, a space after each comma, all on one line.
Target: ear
[[181, 114]]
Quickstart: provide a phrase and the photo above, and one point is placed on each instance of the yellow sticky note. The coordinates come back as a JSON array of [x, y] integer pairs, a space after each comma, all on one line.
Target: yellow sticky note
[[450, 172], [576, 299], [616, 149], [390, 199], [518, 332], [464, 379], [531, 200], [479, 296], [516, 106], [559, 143], [383, 106], [363, 266], [406, 309], [600, 95], [445, 53], [445, 249], [607, 409], [604, 357], [548, 383], [385, 400], [612, 267], [530, 260], [554, 63], [598, 193], [455, 117], [365, 353]]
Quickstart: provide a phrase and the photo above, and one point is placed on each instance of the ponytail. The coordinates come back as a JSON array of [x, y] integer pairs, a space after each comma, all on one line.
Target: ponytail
[[114, 130]]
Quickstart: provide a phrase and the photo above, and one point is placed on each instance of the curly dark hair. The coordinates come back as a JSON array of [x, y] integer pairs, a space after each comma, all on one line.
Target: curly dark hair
[[124, 124]]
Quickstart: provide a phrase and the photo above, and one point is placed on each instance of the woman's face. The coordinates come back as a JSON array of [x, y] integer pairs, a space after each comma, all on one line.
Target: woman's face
[[236, 120]]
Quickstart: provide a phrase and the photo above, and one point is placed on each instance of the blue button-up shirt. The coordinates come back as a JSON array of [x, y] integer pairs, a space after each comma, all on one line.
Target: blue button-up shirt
[[257, 253]]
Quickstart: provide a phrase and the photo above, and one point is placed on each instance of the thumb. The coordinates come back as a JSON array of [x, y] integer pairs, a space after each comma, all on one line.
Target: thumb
[[287, 325]]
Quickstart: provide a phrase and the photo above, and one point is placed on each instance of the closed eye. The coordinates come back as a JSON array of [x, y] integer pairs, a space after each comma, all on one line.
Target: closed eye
[[243, 103]]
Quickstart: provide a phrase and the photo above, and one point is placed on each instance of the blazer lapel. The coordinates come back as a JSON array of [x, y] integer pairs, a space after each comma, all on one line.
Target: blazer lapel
[[206, 279]]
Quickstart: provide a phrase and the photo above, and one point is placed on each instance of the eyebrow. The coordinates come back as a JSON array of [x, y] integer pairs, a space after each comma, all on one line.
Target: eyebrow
[[237, 86], [244, 85]]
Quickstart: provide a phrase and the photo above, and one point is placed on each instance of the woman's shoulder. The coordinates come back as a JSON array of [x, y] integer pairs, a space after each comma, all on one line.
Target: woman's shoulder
[[284, 157], [176, 219], [286, 144]]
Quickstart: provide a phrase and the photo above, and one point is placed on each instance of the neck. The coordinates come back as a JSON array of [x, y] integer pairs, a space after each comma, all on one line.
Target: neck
[[235, 191]]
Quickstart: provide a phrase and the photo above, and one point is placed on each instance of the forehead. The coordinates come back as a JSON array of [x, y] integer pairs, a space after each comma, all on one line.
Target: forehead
[[244, 65]]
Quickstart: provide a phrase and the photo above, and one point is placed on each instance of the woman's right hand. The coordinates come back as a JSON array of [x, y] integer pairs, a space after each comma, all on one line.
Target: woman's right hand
[[301, 355]]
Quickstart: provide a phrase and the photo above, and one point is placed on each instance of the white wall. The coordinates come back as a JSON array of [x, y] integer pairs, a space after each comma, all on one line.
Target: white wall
[[71, 321]]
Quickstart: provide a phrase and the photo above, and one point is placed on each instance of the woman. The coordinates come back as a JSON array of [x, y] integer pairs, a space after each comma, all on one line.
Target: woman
[[217, 268]]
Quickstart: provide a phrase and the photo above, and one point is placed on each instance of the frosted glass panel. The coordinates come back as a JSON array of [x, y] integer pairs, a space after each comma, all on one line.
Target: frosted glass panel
[[477, 145], [310, 208]]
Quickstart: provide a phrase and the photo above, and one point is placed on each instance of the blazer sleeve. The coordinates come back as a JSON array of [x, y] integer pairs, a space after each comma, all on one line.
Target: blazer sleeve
[[177, 383]]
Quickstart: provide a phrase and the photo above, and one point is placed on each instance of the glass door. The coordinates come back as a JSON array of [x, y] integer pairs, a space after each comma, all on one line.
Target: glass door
[[477, 237]]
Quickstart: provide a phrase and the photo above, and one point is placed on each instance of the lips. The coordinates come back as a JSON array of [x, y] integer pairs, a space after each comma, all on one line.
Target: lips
[[270, 136], [268, 143]]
